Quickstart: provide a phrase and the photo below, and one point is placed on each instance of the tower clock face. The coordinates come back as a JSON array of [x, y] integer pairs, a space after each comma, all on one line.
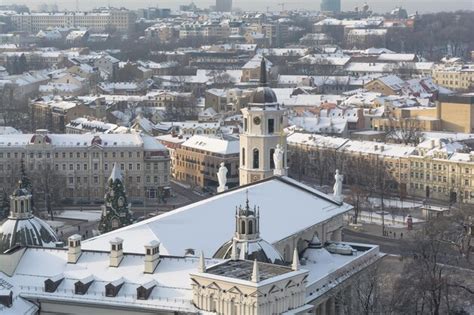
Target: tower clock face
[[257, 120]]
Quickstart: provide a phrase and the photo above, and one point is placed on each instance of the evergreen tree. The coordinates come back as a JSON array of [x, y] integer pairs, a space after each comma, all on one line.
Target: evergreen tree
[[4, 205], [116, 210], [22, 64], [25, 180]]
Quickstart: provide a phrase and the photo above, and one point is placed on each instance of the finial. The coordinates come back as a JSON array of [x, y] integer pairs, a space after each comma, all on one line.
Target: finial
[[247, 199], [255, 272], [295, 265], [202, 264]]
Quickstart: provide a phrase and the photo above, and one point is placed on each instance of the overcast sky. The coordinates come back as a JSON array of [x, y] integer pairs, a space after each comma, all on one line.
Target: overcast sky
[[376, 5]]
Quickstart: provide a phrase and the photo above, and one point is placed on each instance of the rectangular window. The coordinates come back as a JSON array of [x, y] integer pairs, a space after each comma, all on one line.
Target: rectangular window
[[271, 125]]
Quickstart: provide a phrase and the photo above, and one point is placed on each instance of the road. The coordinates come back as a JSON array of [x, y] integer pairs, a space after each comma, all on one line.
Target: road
[[387, 245]]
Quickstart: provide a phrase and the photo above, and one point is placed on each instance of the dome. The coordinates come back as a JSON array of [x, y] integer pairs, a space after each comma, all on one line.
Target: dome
[[31, 231], [263, 95], [20, 192], [259, 249]]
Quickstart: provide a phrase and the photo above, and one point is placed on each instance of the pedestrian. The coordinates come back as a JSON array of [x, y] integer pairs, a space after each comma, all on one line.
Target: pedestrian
[[394, 235], [401, 235], [78, 227]]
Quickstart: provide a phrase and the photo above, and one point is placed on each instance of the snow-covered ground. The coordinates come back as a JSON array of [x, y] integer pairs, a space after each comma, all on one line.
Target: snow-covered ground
[[395, 221], [395, 203], [80, 215]]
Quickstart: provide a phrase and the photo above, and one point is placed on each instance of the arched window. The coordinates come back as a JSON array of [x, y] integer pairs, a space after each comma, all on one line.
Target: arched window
[[272, 161], [256, 157], [22, 206], [243, 156], [242, 227], [250, 227], [16, 206]]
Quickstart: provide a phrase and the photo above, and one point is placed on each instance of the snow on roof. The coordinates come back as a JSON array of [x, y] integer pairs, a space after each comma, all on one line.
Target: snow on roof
[[392, 81], [326, 59], [7, 130], [372, 147], [255, 62], [173, 286], [316, 140], [396, 57], [284, 51], [85, 140], [308, 99], [214, 145], [194, 226], [367, 32], [370, 67]]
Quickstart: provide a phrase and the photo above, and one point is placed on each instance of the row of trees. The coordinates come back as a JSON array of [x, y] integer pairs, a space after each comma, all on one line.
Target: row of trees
[[434, 276], [365, 177], [45, 183]]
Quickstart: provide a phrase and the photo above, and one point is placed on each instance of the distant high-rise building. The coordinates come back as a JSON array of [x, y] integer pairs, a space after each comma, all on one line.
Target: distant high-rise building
[[223, 5], [331, 6]]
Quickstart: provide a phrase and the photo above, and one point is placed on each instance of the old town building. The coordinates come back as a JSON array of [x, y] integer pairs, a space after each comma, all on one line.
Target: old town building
[[85, 162]]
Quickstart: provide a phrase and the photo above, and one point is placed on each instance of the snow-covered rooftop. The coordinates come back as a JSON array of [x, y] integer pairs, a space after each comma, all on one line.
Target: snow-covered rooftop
[[214, 145], [194, 226]]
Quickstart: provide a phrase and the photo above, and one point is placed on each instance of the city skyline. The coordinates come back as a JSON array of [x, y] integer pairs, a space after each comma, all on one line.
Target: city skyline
[[423, 6]]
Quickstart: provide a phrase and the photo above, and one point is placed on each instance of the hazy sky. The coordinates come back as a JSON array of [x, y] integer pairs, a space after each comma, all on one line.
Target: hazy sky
[[376, 5]]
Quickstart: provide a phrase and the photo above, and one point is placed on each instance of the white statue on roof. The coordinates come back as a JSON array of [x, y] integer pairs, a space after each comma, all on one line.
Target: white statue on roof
[[339, 178], [278, 159], [222, 178]]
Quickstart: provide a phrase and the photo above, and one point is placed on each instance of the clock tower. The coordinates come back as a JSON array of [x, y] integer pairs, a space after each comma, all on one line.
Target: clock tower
[[263, 132]]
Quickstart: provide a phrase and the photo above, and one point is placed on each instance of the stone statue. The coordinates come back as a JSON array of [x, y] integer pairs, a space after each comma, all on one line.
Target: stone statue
[[338, 186], [278, 157], [222, 178]]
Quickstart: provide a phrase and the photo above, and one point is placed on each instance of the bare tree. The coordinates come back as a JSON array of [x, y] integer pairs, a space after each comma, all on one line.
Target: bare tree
[[431, 282], [49, 187], [406, 131]]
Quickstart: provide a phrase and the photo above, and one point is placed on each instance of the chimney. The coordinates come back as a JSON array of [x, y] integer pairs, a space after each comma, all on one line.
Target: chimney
[[116, 252], [74, 250], [376, 147], [152, 256], [381, 148], [432, 143]]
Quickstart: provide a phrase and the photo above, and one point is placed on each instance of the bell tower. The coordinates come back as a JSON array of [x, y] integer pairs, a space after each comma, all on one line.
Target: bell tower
[[263, 120]]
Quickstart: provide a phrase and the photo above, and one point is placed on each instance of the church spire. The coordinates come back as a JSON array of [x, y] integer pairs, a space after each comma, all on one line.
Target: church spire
[[263, 72]]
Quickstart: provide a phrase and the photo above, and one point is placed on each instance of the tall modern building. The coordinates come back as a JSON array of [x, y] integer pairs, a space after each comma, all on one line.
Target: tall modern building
[[331, 6], [223, 5]]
